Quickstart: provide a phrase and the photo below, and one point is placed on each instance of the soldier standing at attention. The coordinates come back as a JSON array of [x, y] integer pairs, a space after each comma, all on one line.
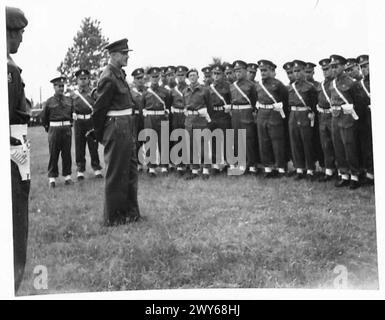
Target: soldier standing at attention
[[252, 69], [57, 121], [302, 102], [272, 103], [197, 102], [137, 89], [325, 120], [352, 69], [207, 73], [156, 106], [229, 72], [163, 78], [83, 105], [220, 117], [115, 129], [365, 122], [243, 99], [178, 117], [18, 116], [346, 110]]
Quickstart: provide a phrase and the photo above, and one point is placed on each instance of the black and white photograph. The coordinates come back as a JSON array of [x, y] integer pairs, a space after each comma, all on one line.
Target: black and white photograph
[[159, 145]]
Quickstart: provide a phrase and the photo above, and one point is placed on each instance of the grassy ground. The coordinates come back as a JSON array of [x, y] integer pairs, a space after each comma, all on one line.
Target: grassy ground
[[227, 232]]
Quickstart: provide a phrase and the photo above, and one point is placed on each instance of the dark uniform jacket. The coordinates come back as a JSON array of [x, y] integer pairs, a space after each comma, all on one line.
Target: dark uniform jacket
[[151, 102], [57, 108], [79, 105], [197, 97], [113, 93], [177, 98], [248, 87], [365, 98], [277, 89], [308, 92], [18, 113], [322, 100], [137, 96]]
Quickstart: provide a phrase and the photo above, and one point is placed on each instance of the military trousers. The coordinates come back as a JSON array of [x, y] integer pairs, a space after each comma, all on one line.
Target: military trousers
[[220, 121], [326, 139], [177, 121], [365, 140], [344, 132], [271, 136], [20, 194], [301, 140], [59, 142], [154, 122], [81, 127], [317, 145], [121, 181], [199, 147], [244, 119]]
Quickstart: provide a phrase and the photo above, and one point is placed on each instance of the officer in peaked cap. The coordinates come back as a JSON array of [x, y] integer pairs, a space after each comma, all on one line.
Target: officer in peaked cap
[[252, 69], [309, 72], [156, 107], [325, 120], [18, 115], [272, 103], [57, 120], [163, 78], [365, 122], [83, 105], [302, 102], [115, 128], [352, 69], [229, 72], [137, 89], [346, 110], [243, 99], [207, 77], [170, 77], [288, 67]]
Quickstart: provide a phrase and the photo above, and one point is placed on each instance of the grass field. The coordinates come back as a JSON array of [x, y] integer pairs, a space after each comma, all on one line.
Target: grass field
[[226, 232]]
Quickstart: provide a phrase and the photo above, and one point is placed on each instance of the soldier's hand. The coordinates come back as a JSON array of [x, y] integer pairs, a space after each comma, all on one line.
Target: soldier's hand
[[74, 116], [91, 134]]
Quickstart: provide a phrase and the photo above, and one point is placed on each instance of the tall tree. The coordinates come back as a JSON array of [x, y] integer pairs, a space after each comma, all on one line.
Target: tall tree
[[86, 52]]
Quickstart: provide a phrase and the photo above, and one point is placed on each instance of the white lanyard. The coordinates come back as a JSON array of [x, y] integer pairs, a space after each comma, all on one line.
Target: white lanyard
[[338, 91], [298, 95], [241, 92], [267, 92], [177, 90], [366, 90], [84, 100], [156, 96], [324, 91], [217, 93]]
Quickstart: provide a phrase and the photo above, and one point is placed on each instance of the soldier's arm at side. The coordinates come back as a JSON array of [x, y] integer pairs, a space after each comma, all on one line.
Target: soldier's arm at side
[[253, 96], [45, 116], [313, 99], [283, 94], [208, 101], [106, 90]]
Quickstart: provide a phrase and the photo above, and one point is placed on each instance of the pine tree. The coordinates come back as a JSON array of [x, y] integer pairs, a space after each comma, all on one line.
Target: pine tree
[[86, 52]]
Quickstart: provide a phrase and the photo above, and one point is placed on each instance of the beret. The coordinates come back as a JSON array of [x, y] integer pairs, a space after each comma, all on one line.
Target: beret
[[192, 70], [15, 18], [118, 46]]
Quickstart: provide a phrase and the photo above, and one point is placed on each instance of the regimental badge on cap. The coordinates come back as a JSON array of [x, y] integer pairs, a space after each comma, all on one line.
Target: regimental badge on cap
[[206, 70], [181, 69], [58, 80], [170, 69], [310, 66], [118, 46], [336, 59], [252, 67], [288, 66], [153, 71], [228, 67], [299, 64], [363, 59], [266, 63], [82, 72], [137, 72], [324, 62], [163, 70], [239, 64], [218, 68], [350, 63]]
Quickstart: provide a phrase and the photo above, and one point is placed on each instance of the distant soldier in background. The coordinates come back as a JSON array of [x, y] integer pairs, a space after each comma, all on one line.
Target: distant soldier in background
[[197, 102], [156, 107], [352, 69], [207, 76], [138, 87], [220, 117], [229, 72], [57, 121], [16, 22], [365, 122], [325, 120], [272, 111], [177, 120], [346, 110], [243, 99], [115, 129], [83, 106], [302, 101]]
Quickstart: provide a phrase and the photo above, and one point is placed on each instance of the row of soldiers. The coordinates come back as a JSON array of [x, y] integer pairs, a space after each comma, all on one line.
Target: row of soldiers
[[328, 122]]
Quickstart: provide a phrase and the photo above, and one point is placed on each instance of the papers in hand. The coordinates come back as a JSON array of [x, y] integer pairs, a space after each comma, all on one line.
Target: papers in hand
[[21, 154]]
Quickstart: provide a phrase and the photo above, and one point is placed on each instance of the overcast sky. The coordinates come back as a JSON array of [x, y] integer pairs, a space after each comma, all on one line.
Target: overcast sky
[[192, 32]]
